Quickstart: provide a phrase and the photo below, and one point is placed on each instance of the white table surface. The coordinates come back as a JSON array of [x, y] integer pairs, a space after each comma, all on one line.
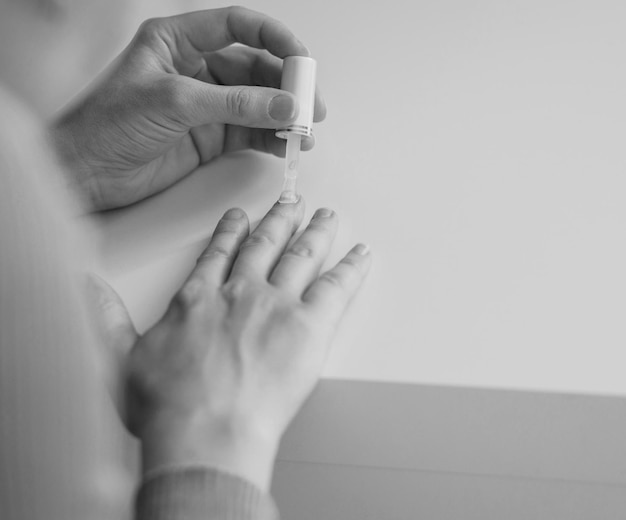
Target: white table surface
[[478, 147]]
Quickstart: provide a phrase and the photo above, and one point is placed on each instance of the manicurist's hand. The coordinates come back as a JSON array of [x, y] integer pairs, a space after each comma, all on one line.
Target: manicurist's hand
[[180, 95], [241, 346]]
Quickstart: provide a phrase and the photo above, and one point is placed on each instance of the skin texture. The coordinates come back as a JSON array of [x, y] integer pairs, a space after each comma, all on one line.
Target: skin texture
[[241, 346], [178, 97]]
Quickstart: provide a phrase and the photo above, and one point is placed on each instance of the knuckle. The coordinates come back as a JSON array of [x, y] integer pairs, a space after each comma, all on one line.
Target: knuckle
[[190, 296], [298, 323], [214, 252], [170, 94], [259, 240], [236, 10], [352, 263], [234, 14], [151, 29], [238, 101], [332, 279], [233, 290], [301, 251]]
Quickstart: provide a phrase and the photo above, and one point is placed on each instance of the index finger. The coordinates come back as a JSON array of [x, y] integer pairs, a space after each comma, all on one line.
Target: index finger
[[214, 29]]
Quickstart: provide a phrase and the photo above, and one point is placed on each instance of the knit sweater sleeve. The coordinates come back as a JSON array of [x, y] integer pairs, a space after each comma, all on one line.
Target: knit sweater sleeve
[[202, 494]]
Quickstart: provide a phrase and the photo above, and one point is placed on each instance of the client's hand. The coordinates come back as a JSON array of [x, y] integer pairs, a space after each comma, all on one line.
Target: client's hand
[[177, 97], [241, 346]]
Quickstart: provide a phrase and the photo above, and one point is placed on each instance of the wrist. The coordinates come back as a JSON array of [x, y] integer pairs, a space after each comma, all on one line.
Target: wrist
[[235, 447]]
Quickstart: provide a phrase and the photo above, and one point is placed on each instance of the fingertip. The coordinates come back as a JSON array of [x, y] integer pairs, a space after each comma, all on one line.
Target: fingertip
[[242, 106], [234, 214], [325, 218], [324, 213], [304, 50], [283, 108], [361, 255], [308, 143], [361, 249], [320, 110], [291, 208], [235, 220], [236, 217]]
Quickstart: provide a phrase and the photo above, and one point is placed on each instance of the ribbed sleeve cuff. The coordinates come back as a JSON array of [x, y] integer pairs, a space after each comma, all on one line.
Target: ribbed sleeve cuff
[[202, 494]]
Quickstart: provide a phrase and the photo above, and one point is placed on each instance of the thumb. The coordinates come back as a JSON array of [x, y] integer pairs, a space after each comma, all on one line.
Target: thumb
[[113, 323], [115, 332], [255, 107]]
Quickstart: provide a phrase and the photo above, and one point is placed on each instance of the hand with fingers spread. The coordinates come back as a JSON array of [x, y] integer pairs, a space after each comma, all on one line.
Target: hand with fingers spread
[[180, 95], [241, 346]]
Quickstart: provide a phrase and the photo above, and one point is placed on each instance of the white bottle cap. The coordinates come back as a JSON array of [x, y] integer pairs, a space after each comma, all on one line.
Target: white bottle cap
[[299, 79]]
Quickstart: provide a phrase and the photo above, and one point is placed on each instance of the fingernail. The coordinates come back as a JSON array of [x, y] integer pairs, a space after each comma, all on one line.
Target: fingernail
[[361, 249], [289, 197], [233, 214], [283, 108], [323, 213], [308, 51]]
